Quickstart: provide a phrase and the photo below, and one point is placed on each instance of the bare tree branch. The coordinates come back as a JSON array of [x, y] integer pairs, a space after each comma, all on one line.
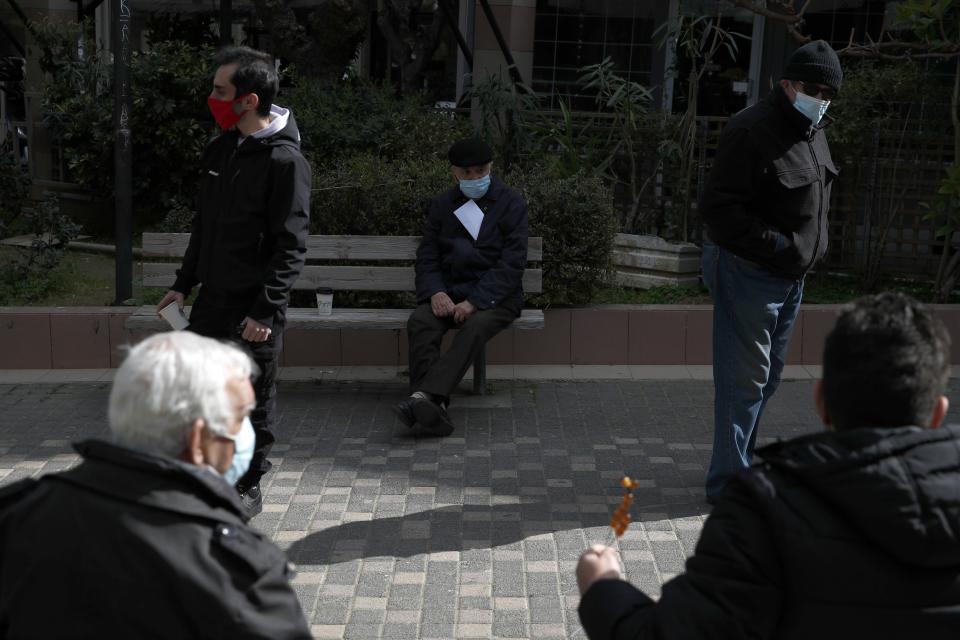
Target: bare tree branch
[[791, 19], [788, 17]]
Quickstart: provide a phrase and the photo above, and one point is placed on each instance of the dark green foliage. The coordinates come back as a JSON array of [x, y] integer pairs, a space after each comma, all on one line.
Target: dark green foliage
[[368, 195], [339, 119], [880, 96], [14, 191], [178, 218], [28, 277], [170, 122], [574, 215], [191, 28]]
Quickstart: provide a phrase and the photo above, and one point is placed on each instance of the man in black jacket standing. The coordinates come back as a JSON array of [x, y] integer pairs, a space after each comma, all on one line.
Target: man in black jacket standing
[[248, 242], [849, 533], [469, 269], [147, 537], [765, 208]]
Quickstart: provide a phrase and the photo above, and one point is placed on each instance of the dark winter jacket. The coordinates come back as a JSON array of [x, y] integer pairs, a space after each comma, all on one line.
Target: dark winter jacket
[[132, 545], [768, 194], [250, 231], [487, 271], [833, 536]]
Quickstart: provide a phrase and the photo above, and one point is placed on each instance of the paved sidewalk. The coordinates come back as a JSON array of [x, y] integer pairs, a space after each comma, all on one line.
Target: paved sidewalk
[[471, 536]]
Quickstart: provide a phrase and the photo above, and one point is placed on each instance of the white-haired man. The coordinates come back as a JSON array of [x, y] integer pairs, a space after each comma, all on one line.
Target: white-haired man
[[147, 536]]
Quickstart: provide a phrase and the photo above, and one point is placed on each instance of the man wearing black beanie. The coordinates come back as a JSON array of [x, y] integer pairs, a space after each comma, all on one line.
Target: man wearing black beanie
[[765, 209], [469, 269]]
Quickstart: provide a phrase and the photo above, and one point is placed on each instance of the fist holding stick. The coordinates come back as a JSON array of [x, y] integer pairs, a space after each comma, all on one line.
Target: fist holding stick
[[601, 562]]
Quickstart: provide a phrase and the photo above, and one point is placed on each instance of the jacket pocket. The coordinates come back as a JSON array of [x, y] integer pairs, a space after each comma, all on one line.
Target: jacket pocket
[[832, 171], [797, 178]]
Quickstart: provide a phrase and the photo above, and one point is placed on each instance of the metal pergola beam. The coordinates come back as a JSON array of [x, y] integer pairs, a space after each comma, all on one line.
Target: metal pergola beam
[[86, 10], [226, 22], [16, 43], [123, 151], [20, 14], [504, 49], [451, 17]]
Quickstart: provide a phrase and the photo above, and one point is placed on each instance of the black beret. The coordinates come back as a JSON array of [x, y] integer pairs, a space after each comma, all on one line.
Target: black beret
[[815, 62], [470, 152]]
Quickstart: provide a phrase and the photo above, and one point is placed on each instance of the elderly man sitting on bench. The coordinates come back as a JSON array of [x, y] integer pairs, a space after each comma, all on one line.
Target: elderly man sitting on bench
[[469, 270]]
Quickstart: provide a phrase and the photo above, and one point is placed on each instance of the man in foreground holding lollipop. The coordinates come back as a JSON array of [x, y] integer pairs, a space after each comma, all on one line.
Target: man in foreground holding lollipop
[[853, 532]]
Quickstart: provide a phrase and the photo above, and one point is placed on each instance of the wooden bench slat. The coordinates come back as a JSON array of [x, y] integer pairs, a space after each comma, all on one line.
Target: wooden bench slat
[[145, 318], [338, 278], [174, 245]]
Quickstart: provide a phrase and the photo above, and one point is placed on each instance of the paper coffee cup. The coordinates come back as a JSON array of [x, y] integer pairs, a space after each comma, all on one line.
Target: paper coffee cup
[[324, 301], [173, 314]]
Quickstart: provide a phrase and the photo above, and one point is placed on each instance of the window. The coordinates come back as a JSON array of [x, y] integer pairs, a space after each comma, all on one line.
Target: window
[[570, 34]]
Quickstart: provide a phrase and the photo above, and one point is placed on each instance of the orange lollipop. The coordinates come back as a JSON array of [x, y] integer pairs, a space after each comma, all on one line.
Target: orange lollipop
[[621, 517]]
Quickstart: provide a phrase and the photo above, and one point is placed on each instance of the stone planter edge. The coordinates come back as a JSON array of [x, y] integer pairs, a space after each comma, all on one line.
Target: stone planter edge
[[94, 337]]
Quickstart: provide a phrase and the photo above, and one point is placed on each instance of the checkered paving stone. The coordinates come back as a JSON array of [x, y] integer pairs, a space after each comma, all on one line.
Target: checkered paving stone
[[471, 536]]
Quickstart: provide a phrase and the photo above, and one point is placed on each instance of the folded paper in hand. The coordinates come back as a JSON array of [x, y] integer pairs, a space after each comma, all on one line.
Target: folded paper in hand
[[470, 216]]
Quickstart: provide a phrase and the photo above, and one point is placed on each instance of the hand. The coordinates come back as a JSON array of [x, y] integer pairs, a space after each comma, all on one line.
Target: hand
[[441, 305], [170, 297], [253, 331], [463, 311], [598, 563]]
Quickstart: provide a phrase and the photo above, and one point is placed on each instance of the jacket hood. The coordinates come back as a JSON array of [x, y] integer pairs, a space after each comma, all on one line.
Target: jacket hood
[[287, 135], [900, 487]]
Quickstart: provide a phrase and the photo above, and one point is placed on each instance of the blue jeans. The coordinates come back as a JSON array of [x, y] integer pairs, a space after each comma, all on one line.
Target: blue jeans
[[753, 315]]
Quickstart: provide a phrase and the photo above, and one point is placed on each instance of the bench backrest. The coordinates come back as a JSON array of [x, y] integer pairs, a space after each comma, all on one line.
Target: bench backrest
[[329, 248]]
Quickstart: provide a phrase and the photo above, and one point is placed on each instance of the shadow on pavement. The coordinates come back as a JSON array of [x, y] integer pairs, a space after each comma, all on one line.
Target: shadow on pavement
[[461, 528]]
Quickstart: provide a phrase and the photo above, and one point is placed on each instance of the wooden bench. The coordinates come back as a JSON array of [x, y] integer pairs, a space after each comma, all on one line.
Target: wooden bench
[[339, 277]]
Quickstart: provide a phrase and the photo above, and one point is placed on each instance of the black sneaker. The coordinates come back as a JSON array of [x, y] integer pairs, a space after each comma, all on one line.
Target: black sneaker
[[404, 411], [433, 417], [252, 500]]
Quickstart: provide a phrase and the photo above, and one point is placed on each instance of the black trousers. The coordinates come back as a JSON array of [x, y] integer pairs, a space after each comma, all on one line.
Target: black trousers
[[440, 374], [219, 316]]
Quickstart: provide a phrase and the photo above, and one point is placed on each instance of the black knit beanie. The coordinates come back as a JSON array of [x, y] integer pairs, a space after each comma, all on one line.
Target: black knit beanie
[[815, 62]]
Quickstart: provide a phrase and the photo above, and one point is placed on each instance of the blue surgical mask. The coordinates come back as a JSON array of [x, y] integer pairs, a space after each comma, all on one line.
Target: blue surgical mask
[[474, 189], [811, 107], [243, 445]]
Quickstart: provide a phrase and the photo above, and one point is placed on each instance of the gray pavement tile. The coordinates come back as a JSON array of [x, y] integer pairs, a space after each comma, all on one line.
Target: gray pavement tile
[[361, 631]]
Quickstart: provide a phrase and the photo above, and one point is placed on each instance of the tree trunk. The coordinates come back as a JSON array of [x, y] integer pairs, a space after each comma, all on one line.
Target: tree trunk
[[411, 46]]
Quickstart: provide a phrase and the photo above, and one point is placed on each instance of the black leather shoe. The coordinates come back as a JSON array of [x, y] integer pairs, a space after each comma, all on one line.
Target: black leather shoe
[[252, 500], [433, 417], [404, 411]]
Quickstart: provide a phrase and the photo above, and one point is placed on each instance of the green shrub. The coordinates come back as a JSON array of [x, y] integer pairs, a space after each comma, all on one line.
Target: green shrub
[[14, 191], [178, 217], [28, 277], [879, 97], [342, 119], [575, 217], [170, 123], [368, 195]]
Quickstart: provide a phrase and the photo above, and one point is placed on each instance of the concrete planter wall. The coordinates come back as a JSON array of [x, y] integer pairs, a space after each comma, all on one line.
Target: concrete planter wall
[[93, 338], [641, 262]]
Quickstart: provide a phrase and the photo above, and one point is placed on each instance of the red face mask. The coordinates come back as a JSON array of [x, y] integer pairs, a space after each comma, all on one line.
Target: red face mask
[[223, 112]]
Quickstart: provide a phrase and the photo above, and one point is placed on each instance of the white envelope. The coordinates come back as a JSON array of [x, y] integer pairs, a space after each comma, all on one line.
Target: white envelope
[[471, 217]]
